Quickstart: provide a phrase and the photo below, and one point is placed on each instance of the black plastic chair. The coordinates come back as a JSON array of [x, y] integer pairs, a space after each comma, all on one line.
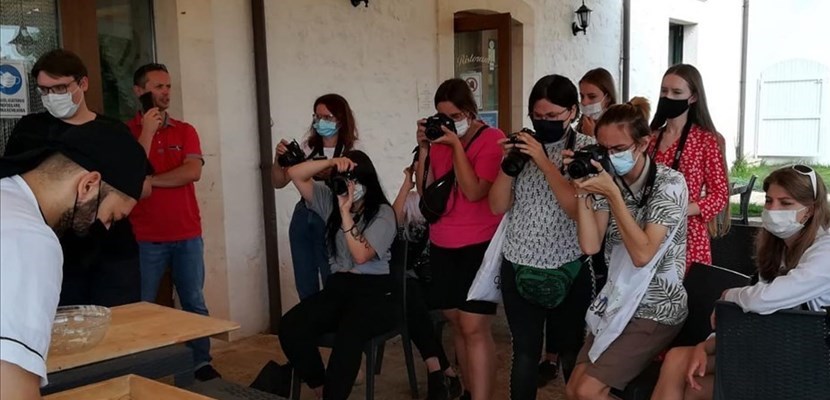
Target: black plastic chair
[[735, 250], [746, 193], [784, 355], [375, 347], [704, 285]]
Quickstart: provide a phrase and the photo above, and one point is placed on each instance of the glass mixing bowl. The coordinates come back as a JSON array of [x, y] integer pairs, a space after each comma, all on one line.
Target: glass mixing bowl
[[78, 328]]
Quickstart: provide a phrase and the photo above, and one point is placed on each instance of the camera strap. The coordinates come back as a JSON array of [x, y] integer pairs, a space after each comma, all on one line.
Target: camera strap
[[680, 145], [338, 151], [570, 143], [648, 189], [466, 147]]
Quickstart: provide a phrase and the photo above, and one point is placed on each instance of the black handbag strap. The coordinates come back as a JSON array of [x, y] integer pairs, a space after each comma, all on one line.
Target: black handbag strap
[[338, 151], [677, 152], [466, 147], [570, 143]]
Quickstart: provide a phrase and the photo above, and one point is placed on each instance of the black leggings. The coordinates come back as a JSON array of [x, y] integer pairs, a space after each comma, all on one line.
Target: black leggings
[[355, 308], [527, 322], [421, 326]]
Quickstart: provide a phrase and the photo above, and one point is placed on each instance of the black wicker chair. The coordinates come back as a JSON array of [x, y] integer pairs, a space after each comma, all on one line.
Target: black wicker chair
[[735, 250], [784, 355], [704, 285]]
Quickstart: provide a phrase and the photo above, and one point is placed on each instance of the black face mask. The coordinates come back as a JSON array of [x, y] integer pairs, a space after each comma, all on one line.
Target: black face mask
[[671, 108], [548, 131]]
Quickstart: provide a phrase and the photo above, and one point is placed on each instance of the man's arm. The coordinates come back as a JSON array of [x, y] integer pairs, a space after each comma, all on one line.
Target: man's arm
[[190, 171], [18, 384]]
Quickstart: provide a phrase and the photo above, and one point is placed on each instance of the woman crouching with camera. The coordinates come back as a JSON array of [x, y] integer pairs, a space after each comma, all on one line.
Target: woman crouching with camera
[[461, 158], [640, 208], [542, 273], [355, 304]]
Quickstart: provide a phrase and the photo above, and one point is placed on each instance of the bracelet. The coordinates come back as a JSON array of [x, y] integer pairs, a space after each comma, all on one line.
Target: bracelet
[[348, 230]]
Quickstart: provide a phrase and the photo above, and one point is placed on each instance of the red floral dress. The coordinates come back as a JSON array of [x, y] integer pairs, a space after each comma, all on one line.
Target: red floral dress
[[702, 165]]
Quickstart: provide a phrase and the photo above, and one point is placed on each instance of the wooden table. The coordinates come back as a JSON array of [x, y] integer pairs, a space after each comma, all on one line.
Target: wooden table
[[142, 339], [144, 326], [127, 387]]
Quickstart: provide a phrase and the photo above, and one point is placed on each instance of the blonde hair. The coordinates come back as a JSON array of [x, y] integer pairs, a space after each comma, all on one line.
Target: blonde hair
[[632, 117]]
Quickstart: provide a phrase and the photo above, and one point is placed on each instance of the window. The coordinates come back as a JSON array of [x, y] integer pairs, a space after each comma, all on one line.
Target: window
[[675, 43]]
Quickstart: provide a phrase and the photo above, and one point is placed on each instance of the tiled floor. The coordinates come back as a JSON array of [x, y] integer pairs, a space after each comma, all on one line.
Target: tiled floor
[[240, 362]]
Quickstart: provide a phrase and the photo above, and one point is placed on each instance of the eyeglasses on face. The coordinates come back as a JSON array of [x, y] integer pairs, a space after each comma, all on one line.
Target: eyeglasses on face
[[61, 88], [551, 116], [324, 117]]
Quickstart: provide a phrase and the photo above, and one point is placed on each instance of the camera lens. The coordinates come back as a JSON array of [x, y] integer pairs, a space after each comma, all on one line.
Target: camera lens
[[514, 163], [579, 168], [339, 186]]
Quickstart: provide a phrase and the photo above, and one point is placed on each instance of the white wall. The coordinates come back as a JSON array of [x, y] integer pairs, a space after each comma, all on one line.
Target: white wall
[[378, 56], [713, 45], [206, 45], [779, 32]]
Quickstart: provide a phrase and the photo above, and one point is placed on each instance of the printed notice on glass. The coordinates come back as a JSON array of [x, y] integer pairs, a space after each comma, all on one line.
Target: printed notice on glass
[[14, 93]]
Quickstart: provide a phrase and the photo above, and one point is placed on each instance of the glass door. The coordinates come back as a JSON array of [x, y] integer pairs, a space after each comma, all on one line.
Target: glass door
[[482, 59]]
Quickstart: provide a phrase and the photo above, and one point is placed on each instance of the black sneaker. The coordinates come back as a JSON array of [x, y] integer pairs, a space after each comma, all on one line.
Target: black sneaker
[[206, 373], [436, 387], [548, 371], [454, 386]]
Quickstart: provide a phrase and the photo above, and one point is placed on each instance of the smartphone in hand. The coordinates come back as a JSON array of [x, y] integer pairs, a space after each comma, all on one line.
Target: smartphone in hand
[[146, 100]]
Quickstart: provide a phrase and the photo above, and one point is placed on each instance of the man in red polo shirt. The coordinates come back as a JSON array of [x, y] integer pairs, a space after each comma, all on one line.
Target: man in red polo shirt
[[167, 224]]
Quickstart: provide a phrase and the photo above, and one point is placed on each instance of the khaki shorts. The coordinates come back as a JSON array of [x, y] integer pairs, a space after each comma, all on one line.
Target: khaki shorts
[[630, 353]]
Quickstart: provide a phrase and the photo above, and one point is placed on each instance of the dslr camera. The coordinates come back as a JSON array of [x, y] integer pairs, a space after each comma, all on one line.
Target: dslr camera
[[434, 123], [581, 165], [292, 156], [339, 182], [515, 161]]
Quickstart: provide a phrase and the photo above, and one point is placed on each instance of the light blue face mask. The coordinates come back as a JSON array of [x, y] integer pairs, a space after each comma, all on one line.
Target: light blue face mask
[[623, 162], [325, 128]]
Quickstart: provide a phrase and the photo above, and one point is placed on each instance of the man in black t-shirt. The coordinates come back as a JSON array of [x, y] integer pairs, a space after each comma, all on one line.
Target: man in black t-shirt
[[102, 267]]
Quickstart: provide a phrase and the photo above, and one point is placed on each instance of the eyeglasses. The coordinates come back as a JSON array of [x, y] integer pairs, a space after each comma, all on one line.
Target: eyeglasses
[[808, 171], [56, 89], [549, 116], [329, 117]]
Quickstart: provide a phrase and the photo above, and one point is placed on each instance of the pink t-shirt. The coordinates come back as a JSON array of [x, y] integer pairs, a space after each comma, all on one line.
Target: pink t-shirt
[[465, 222]]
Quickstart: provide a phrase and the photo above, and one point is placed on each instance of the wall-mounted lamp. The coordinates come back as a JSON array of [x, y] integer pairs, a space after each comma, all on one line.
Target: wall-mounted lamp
[[357, 2], [583, 14]]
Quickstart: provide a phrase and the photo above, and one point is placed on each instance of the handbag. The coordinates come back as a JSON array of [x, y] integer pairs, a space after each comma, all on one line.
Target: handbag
[[547, 287], [487, 284], [433, 204]]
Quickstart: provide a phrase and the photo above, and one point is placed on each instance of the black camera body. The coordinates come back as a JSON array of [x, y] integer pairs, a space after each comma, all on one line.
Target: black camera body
[[581, 165], [292, 156], [339, 182], [434, 123], [515, 161]]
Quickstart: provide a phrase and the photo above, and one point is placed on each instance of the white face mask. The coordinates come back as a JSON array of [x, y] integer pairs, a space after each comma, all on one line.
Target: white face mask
[[461, 127], [60, 105], [782, 223], [592, 110], [359, 192]]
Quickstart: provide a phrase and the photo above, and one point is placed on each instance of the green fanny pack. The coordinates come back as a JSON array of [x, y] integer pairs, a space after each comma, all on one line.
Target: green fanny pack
[[547, 287]]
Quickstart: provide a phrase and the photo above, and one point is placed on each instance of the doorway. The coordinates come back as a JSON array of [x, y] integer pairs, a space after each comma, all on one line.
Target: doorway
[[483, 58]]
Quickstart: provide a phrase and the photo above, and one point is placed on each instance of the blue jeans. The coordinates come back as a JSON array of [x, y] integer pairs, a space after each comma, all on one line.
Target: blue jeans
[[187, 263], [307, 237]]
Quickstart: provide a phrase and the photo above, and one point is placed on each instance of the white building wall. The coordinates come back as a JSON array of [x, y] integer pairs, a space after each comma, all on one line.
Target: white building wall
[[377, 57], [712, 44], [779, 32]]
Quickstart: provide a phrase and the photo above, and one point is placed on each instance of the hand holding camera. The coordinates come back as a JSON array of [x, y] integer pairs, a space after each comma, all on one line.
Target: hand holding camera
[[521, 147], [438, 128], [292, 155], [591, 169]]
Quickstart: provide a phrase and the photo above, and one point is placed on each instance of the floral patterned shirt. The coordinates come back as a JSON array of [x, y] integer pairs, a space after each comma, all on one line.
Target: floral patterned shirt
[[665, 299]]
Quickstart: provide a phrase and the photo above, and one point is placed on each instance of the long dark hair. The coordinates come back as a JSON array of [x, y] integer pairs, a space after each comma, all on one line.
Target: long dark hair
[[347, 127], [556, 89], [365, 174], [699, 110], [771, 253], [457, 92]]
